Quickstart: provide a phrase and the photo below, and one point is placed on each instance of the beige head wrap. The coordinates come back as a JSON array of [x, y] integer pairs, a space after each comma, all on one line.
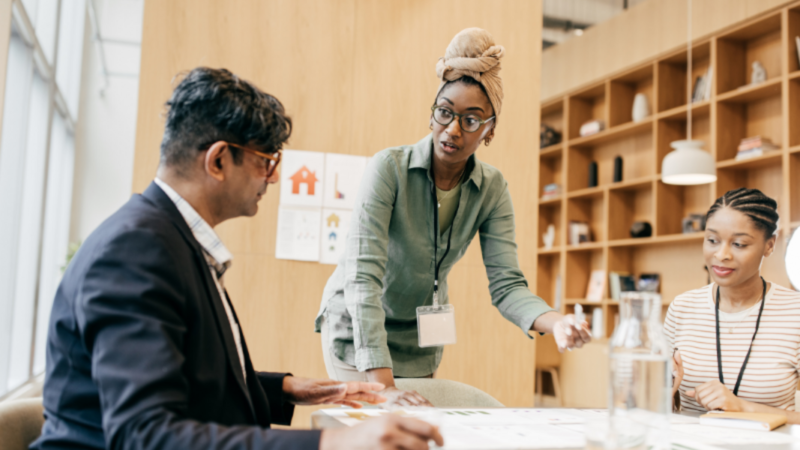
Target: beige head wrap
[[473, 53]]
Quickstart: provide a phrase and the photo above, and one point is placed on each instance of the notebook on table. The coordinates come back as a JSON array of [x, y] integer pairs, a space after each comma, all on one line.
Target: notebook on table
[[748, 421]]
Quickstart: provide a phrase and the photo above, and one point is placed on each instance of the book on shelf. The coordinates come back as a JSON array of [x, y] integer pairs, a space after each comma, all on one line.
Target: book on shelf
[[579, 233], [550, 191], [597, 286], [619, 282], [752, 147], [702, 86]]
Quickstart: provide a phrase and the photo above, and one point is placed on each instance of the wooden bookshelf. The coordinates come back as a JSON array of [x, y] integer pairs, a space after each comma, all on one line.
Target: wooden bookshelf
[[735, 110]]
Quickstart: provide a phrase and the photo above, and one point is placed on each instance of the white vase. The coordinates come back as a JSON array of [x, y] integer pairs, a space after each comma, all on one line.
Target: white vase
[[641, 107]]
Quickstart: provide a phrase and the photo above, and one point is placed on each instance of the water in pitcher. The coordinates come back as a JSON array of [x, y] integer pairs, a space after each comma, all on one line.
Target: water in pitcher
[[640, 379]]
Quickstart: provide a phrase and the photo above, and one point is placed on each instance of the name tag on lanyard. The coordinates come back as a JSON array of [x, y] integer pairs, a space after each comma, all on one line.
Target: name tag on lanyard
[[436, 324]]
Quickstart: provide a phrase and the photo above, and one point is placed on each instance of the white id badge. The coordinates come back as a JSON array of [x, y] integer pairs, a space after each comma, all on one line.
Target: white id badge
[[436, 325]]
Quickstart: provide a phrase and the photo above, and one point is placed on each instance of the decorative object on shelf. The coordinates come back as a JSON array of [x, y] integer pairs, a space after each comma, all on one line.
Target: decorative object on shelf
[[641, 230], [641, 107], [702, 87], [649, 282], [693, 223], [548, 136], [617, 169], [752, 147], [592, 127], [758, 74], [550, 237], [551, 191], [579, 233], [598, 330], [597, 286], [592, 174], [797, 47]]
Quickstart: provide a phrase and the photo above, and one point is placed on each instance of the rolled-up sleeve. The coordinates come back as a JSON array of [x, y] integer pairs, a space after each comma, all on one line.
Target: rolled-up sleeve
[[367, 253], [507, 284]]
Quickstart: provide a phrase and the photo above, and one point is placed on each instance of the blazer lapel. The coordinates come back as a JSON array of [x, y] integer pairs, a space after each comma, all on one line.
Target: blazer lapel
[[154, 194]]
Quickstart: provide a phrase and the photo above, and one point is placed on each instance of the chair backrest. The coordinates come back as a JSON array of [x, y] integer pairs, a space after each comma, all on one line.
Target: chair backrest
[[20, 423], [448, 394]]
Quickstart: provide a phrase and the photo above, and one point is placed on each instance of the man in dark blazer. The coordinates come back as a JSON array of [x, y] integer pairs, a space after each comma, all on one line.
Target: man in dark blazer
[[144, 349]]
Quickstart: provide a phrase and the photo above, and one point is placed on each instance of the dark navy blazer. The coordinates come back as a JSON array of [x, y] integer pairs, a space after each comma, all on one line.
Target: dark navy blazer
[[140, 353]]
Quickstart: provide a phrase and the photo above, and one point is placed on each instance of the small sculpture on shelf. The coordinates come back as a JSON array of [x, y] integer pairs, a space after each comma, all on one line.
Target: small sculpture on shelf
[[592, 174], [548, 136], [641, 230], [693, 223], [592, 127], [549, 238], [641, 107], [617, 169], [759, 74]]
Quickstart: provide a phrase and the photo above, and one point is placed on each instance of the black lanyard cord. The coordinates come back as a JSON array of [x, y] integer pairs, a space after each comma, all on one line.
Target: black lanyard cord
[[747, 357]]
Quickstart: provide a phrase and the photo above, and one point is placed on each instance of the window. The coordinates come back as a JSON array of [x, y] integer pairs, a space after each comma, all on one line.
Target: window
[[37, 144]]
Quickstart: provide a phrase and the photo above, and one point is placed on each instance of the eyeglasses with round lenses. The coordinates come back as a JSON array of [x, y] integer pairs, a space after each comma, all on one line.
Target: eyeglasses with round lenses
[[468, 122], [271, 160]]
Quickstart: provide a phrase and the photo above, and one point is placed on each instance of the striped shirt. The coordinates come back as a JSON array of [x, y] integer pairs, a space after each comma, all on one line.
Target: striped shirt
[[771, 375]]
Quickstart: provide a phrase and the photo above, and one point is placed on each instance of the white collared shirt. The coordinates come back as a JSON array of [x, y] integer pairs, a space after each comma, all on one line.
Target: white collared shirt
[[217, 256]]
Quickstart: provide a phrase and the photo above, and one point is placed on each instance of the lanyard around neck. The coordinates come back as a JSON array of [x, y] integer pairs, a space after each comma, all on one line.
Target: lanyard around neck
[[747, 357], [438, 262]]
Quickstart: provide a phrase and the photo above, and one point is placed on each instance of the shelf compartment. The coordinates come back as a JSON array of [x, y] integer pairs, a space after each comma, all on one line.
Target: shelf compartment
[[578, 271], [587, 105], [768, 179], [627, 205], [551, 170], [590, 210], [794, 186], [794, 30], [634, 143], [622, 91], [794, 112], [738, 49], [673, 128], [548, 268], [680, 265], [673, 203], [553, 151], [739, 118], [768, 159], [553, 116], [672, 81], [550, 214]]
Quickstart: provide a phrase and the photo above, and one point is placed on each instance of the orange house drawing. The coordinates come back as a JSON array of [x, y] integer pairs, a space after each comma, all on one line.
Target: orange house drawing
[[303, 176]]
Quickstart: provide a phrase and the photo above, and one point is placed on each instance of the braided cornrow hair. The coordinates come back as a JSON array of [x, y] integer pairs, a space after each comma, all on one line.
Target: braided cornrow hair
[[762, 210]]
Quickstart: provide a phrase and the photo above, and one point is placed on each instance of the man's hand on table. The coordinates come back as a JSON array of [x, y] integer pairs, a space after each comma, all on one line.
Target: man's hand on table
[[388, 432], [306, 391]]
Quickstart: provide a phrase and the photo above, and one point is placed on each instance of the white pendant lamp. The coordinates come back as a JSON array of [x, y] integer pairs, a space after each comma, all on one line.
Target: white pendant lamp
[[688, 164]]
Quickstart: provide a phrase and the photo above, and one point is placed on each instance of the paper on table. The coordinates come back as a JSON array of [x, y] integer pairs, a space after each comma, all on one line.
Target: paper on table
[[726, 436], [298, 234], [335, 224]]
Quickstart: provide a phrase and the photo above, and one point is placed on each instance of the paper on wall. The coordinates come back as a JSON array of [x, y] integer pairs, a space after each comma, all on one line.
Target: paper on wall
[[298, 234], [302, 178], [335, 224], [342, 178]]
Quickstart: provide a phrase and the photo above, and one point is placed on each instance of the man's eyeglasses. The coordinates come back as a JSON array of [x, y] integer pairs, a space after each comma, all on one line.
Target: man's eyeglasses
[[270, 160], [469, 122]]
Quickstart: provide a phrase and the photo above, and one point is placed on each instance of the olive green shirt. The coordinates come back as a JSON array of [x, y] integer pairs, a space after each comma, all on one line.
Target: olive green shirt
[[386, 271]]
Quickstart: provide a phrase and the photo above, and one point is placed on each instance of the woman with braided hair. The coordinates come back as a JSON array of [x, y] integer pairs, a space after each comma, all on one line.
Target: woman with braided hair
[[418, 209], [737, 341]]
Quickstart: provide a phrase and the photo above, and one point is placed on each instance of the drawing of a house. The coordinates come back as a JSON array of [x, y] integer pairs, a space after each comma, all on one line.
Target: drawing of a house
[[333, 221], [304, 176], [332, 236]]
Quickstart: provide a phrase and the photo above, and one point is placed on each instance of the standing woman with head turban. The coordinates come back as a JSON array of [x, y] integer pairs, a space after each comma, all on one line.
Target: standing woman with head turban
[[418, 209]]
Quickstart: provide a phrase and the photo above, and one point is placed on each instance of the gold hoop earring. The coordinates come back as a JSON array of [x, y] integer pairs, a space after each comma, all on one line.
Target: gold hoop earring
[[486, 142]]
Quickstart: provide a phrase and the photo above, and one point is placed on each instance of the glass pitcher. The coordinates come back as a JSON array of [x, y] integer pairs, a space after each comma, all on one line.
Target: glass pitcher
[[640, 379]]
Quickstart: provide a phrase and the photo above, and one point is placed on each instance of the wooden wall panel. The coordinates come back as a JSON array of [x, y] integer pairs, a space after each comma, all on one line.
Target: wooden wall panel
[[356, 76], [643, 32]]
